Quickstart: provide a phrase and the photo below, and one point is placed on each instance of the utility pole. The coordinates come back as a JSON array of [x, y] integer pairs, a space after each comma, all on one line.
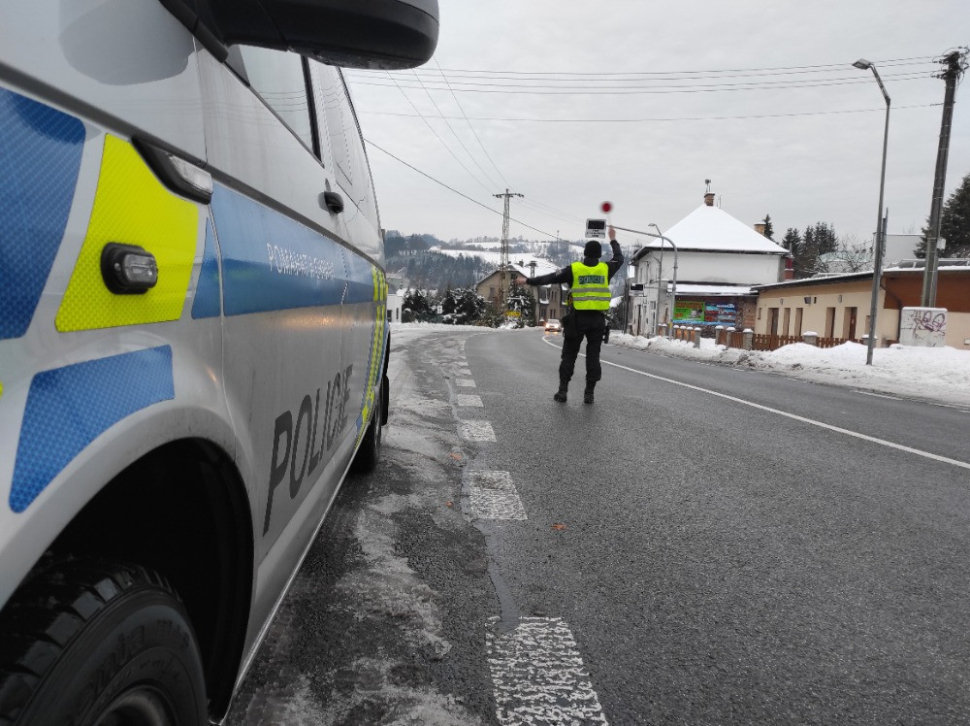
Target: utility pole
[[504, 265], [955, 64]]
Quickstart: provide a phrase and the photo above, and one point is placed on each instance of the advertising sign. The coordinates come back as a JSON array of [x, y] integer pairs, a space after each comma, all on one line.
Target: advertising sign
[[689, 312], [696, 312], [720, 314]]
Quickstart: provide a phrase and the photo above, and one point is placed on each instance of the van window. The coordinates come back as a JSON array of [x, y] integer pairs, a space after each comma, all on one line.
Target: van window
[[349, 160], [278, 79]]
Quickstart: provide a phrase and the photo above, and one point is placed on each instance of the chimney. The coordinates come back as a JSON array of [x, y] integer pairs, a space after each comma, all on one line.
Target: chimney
[[789, 268], [760, 228], [709, 199]]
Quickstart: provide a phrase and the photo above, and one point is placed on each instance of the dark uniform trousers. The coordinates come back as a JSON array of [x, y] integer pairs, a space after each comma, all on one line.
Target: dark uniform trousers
[[588, 324]]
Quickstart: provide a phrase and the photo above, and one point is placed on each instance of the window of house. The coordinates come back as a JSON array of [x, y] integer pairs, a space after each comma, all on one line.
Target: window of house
[[277, 78]]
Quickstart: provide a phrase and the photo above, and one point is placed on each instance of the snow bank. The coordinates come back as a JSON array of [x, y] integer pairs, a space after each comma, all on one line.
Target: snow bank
[[938, 374]]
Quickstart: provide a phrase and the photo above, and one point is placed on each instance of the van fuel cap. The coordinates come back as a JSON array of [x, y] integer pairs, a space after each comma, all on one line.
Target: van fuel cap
[[128, 269]]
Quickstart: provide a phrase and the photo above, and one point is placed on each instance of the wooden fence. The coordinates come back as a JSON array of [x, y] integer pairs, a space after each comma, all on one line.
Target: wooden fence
[[773, 342], [749, 341]]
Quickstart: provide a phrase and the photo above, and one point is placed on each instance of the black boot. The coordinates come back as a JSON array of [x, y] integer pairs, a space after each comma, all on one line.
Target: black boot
[[588, 394], [560, 395]]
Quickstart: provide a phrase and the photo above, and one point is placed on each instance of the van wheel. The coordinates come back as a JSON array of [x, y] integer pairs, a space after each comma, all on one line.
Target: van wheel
[[90, 642], [370, 447]]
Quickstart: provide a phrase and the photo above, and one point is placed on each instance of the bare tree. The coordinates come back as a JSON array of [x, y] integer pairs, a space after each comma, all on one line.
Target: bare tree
[[850, 255]]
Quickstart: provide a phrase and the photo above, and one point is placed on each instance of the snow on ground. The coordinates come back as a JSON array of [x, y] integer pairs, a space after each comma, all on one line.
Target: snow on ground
[[402, 332], [937, 374]]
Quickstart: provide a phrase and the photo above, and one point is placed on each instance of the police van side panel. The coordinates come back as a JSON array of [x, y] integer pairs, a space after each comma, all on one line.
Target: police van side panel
[[197, 430], [301, 302], [115, 438], [72, 182]]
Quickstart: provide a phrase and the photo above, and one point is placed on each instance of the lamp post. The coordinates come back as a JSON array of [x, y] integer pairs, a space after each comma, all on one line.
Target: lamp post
[[659, 235], [862, 64]]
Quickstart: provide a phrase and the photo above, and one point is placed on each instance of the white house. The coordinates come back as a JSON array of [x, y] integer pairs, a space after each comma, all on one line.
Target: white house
[[718, 260], [395, 301]]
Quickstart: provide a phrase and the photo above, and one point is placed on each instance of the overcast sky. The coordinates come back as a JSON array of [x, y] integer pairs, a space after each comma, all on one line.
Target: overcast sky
[[801, 154]]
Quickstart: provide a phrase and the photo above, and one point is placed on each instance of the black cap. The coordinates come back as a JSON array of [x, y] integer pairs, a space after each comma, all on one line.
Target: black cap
[[593, 249]]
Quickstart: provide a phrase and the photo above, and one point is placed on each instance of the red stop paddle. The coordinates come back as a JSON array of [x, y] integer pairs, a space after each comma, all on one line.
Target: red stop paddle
[[607, 207]]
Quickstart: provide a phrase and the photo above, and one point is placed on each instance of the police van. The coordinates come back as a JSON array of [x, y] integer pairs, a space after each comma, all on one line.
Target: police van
[[193, 333]]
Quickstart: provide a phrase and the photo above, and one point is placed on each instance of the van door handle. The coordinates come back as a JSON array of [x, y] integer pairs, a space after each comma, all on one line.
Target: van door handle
[[332, 201]]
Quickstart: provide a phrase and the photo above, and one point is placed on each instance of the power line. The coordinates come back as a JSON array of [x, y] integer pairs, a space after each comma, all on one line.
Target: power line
[[475, 133], [669, 118], [638, 77], [650, 90], [454, 133], [835, 66], [437, 136], [526, 201], [465, 196]]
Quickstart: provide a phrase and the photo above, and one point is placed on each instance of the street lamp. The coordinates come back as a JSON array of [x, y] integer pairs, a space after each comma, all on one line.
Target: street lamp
[[862, 64], [659, 235]]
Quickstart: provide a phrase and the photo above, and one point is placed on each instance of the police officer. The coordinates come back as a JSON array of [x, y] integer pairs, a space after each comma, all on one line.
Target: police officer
[[589, 283]]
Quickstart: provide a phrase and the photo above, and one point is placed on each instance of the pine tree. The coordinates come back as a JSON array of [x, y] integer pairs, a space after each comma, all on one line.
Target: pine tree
[[469, 306], [792, 240], [954, 224], [448, 303], [825, 238], [806, 254], [769, 229]]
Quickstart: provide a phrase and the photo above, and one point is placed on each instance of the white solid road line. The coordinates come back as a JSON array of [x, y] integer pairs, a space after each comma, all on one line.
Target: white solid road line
[[877, 395], [813, 422]]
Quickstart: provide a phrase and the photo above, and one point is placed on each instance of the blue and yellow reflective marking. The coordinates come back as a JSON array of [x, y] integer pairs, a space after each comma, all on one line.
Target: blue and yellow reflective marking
[[40, 158], [375, 367], [131, 207], [271, 262], [208, 296], [68, 408]]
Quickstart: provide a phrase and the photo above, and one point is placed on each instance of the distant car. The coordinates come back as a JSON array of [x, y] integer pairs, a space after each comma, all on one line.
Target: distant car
[[553, 326]]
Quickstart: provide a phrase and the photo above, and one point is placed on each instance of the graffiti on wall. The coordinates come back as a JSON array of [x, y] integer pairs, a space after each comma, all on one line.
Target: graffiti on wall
[[925, 327]]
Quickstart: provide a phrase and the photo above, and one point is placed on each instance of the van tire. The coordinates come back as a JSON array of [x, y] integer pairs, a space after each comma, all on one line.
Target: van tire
[[369, 452], [83, 640]]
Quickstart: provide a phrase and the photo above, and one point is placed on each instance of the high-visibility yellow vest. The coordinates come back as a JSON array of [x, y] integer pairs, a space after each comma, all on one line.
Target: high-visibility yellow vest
[[591, 287]]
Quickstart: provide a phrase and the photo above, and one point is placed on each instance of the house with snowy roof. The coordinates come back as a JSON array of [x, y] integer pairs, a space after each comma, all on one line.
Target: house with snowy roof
[[719, 260]]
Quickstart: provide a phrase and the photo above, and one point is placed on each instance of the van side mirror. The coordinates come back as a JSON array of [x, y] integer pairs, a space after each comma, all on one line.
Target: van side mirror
[[384, 34]]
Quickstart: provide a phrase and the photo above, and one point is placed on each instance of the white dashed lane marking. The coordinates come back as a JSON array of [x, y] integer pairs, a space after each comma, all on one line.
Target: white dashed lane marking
[[476, 431], [464, 399], [466, 383], [492, 495], [539, 676]]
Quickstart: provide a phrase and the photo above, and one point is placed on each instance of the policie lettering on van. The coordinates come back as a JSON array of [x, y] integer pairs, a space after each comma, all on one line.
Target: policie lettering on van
[[193, 333]]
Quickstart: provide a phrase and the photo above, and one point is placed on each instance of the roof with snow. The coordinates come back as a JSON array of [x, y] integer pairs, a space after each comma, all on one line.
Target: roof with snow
[[710, 229], [712, 290], [543, 267]]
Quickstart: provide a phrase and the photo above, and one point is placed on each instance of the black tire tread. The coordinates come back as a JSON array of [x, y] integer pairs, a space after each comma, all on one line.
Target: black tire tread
[[49, 611]]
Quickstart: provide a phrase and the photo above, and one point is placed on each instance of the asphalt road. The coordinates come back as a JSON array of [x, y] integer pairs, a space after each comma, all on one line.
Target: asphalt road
[[703, 545]]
